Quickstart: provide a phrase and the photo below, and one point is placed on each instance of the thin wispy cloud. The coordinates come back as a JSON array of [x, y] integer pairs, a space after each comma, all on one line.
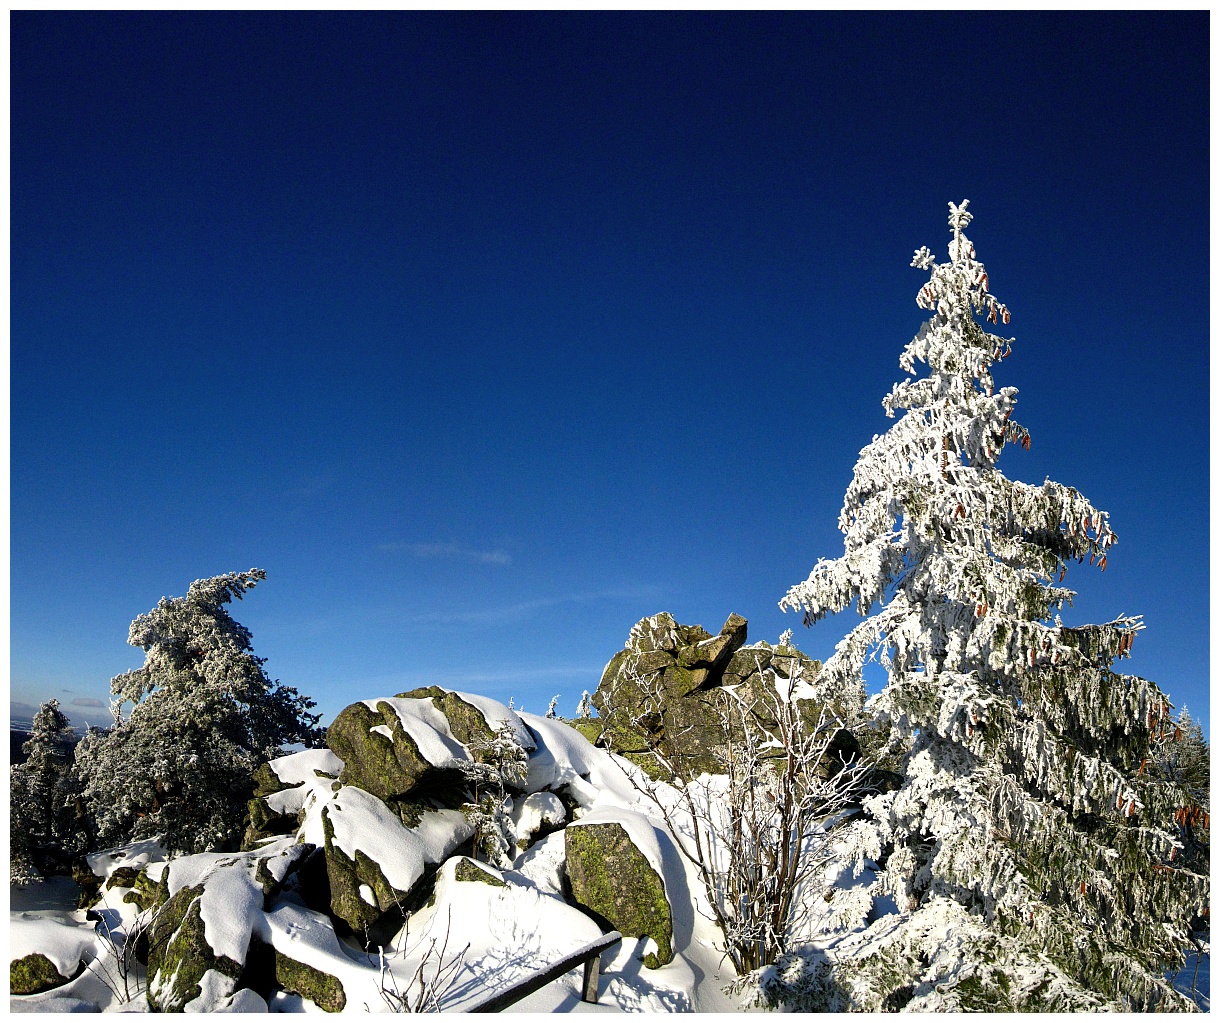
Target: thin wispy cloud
[[522, 609], [88, 701], [451, 551], [458, 677]]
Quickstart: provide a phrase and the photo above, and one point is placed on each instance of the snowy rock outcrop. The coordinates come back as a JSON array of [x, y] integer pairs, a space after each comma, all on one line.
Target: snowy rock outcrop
[[373, 860], [676, 689], [346, 897], [198, 939]]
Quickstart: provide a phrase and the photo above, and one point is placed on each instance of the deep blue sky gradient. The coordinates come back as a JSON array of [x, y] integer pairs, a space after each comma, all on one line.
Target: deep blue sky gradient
[[487, 335]]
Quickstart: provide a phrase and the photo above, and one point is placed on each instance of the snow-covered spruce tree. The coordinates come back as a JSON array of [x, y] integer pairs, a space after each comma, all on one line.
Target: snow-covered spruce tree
[[47, 825], [585, 708], [1032, 861], [204, 716]]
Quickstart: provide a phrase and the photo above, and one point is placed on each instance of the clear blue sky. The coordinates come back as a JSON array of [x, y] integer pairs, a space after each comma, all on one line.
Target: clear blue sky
[[487, 335]]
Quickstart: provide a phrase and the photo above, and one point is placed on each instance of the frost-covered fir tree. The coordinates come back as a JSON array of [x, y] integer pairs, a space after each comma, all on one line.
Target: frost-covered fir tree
[[204, 716], [1030, 861], [46, 824], [584, 709]]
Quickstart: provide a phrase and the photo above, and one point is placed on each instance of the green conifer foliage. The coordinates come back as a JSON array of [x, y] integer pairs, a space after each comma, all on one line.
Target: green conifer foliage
[[204, 716], [47, 824]]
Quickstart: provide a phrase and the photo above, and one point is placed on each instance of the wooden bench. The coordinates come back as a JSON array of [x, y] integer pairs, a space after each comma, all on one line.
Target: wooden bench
[[590, 955]]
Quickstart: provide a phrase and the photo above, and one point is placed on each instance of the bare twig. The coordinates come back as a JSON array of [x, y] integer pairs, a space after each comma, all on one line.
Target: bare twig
[[434, 974], [117, 965]]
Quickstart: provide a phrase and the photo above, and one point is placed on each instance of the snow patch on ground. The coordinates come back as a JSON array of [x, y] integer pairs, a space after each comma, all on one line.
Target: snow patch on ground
[[508, 930], [542, 865], [1194, 979]]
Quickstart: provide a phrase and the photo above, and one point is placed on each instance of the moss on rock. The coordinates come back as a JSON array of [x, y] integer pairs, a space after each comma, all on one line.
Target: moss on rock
[[263, 823], [146, 893], [33, 973], [386, 766], [468, 870], [179, 954], [346, 876], [267, 782], [321, 988], [614, 881], [90, 884], [665, 693], [590, 728], [466, 721], [123, 877]]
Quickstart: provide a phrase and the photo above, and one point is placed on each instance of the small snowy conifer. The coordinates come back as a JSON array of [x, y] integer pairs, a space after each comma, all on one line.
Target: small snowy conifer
[[551, 710], [46, 826], [500, 763], [1033, 861], [205, 715], [585, 708], [1186, 757]]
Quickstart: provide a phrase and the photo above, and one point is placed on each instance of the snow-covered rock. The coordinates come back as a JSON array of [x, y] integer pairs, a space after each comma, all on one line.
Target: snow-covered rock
[[535, 812], [614, 863], [45, 953], [390, 746], [199, 938], [368, 846]]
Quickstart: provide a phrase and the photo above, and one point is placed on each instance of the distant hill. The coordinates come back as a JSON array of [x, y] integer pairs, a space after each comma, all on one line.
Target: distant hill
[[16, 739]]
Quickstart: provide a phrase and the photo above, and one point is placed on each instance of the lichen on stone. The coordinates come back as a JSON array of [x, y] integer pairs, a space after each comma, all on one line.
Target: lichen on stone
[[346, 875], [179, 954], [613, 880], [321, 988], [468, 870], [33, 973]]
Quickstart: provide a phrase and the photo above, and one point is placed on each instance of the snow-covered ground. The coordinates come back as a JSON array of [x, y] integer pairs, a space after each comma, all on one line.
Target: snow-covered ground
[[1194, 979]]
